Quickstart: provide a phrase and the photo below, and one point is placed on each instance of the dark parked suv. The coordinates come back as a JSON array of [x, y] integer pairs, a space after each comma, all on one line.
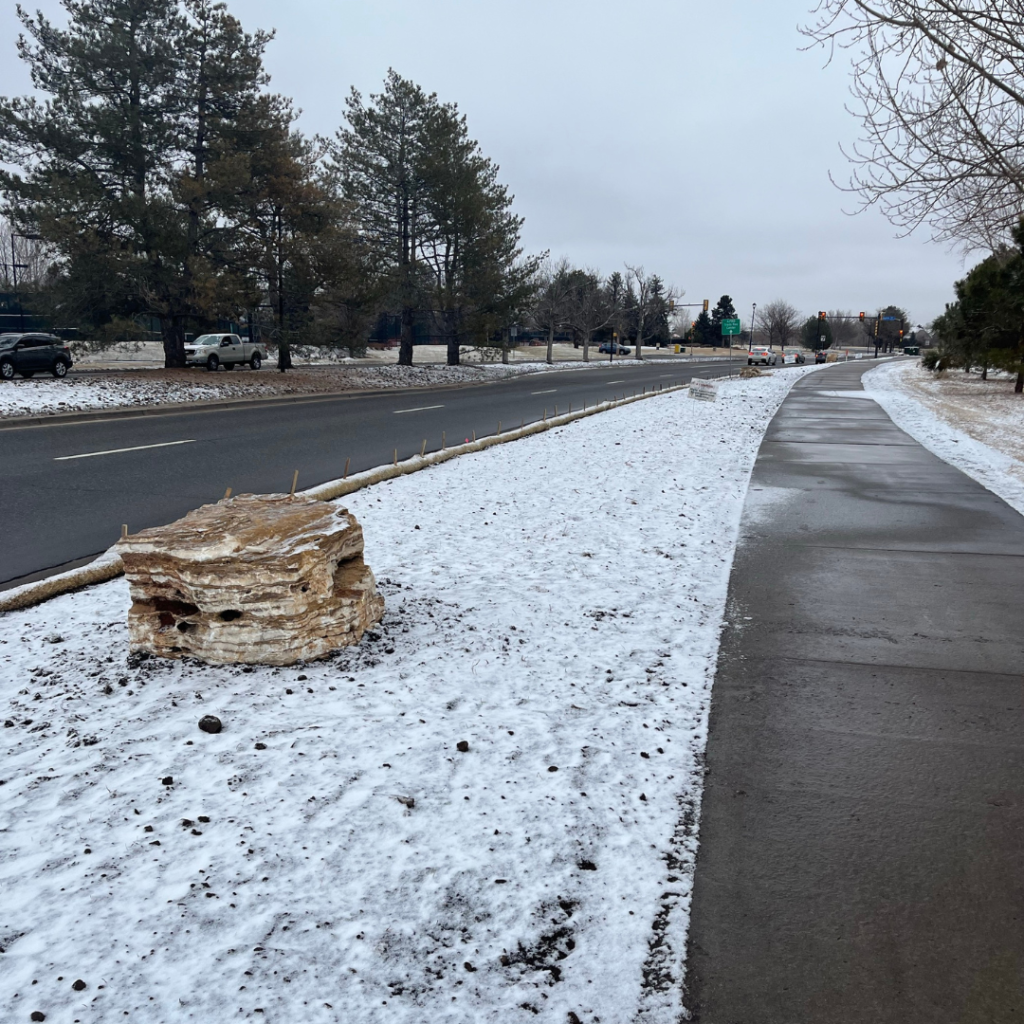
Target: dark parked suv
[[29, 354]]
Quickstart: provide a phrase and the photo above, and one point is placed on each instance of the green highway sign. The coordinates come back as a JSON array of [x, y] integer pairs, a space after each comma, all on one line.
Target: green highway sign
[[730, 327]]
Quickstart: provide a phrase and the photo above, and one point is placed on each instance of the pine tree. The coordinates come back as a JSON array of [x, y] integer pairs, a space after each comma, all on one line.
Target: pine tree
[[99, 149], [724, 310], [379, 159], [133, 159], [813, 331], [287, 218], [220, 87], [704, 331], [988, 318], [470, 241]]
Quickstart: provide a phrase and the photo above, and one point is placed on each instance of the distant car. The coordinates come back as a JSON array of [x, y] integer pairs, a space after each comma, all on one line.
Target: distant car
[[613, 348], [820, 357], [761, 356], [227, 350], [32, 353]]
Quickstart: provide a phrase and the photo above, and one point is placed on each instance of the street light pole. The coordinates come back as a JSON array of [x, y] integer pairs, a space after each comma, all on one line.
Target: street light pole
[[753, 314]]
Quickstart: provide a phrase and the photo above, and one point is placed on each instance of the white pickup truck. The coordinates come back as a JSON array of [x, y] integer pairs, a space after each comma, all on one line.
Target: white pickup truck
[[227, 350]]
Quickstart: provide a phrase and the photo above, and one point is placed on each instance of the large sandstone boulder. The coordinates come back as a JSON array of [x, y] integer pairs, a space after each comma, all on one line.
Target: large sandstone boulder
[[255, 579]]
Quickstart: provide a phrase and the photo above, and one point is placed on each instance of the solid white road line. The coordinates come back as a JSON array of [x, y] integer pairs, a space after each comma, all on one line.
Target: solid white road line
[[422, 408], [615, 381], [117, 451], [550, 391]]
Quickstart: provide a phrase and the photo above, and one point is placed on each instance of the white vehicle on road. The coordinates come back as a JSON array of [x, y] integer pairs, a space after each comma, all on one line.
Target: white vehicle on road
[[228, 350], [763, 356]]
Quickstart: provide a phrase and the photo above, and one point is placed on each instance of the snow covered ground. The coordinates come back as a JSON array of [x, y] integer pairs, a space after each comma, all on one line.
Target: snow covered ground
[[78, 392], [975, 425], [333, 855]]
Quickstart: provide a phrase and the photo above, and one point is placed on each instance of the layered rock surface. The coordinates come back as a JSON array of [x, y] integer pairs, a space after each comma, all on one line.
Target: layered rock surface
[[255, 579]]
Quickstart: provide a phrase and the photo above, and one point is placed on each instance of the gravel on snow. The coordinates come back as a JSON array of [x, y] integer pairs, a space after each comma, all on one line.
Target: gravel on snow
[[486, 811], [949, 418]]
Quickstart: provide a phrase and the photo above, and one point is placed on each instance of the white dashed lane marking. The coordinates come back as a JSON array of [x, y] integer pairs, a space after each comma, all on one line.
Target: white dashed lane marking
[[118, 451]]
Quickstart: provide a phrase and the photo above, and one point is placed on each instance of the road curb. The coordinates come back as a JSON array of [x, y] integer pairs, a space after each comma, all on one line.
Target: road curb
[[108, 566]]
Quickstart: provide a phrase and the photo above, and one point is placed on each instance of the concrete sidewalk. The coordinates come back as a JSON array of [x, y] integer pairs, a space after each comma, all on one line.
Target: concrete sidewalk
[[862, 835]]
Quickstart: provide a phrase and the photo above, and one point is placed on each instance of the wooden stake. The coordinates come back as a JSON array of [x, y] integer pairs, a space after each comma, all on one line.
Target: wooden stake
[[396, 456], [124, 529], [474, 435], [227, 494], [442, 441], [423, 448], [347, 461], [295, 480], [499, 426], [570, 408]]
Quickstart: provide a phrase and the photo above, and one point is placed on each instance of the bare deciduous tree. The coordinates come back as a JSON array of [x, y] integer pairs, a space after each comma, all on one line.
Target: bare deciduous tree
[[637, 276], [588, 307], [28, 253], [550, 310], [939, 89], [847, 330], [778, 321]]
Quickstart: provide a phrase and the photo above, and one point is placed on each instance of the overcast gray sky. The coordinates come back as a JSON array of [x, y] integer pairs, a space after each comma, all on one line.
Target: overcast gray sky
[[694, 138]]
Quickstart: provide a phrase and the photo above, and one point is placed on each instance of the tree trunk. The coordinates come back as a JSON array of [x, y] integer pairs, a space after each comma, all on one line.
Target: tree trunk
[[284, 351], [551, 343], [173, 333], [504, 345], [405, 345], [586, 346], [453, 340], [1018, 388]]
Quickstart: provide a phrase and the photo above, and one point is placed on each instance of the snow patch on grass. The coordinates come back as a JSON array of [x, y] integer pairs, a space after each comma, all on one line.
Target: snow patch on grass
[[333, 855], [951, 417]]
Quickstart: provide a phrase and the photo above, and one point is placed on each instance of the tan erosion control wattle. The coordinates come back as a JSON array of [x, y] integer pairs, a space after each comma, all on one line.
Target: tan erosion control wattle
[[254, 579]]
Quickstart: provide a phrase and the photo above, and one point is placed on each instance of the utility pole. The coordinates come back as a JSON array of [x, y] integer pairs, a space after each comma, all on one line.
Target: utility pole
[[15, 267]]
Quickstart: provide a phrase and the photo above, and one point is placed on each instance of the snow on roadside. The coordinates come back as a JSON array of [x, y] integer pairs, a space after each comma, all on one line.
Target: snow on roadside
[[919, 407], [120, 389], [332, 855]]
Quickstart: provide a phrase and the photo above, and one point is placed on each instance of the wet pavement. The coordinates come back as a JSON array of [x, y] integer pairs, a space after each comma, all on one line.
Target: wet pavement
[[862, 835]]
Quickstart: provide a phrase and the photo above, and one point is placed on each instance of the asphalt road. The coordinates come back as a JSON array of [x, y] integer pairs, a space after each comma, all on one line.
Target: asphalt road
[[862, 832], [58, 507]]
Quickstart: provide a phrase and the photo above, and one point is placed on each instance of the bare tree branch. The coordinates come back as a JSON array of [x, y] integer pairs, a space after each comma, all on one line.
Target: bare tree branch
[[938, 87]]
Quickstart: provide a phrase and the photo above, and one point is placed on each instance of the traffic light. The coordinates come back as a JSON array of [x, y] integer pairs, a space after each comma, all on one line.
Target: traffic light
[[862, 318], [671, 305], [705, 305], [822, 315]]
